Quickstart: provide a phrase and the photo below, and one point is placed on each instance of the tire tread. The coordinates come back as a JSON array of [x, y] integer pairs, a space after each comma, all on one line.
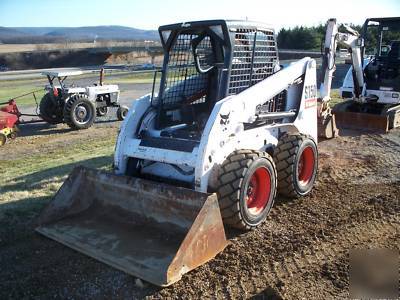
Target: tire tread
[[233, 171]]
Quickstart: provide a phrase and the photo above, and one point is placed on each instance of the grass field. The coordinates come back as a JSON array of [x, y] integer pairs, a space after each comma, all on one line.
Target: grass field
[[40, 172], [10, 90], [132, 78]]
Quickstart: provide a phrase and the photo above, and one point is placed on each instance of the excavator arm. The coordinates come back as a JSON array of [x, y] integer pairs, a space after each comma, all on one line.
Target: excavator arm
[[352, 41]]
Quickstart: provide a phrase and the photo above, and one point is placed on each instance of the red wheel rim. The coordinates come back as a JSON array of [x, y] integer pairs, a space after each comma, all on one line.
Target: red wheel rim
[[305, 168], [258, 191]]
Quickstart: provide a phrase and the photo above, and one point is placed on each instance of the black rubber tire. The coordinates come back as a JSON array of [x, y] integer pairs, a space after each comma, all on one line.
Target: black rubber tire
[[3, 139], [70, 110], [49, 112], [287, 155], [13, 135], [234, 178], [122, 112], [101, 111]]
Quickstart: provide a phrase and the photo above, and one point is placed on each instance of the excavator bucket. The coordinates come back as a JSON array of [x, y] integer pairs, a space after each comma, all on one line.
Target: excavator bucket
[[348, 115], [365, 121], [153, 231], [327, 127]]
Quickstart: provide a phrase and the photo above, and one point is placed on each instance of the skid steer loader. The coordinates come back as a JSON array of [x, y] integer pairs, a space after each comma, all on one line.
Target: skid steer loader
[[228, 129]]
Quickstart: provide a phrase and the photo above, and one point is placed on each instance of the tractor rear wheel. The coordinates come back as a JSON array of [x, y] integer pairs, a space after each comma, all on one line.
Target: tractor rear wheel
[[296, 159], [102, 111], [122, 112], [247, 188], [49, 111], [79, 112]]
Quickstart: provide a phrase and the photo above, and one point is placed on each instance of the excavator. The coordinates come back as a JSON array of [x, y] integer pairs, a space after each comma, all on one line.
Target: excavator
[[227, 131], [372, 84]]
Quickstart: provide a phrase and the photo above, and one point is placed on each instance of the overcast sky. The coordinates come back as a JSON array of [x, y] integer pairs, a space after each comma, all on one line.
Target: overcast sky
[[149, 14]]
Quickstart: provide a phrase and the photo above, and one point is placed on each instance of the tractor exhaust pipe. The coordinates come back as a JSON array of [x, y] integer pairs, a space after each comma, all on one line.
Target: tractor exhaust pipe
[[101, 76]]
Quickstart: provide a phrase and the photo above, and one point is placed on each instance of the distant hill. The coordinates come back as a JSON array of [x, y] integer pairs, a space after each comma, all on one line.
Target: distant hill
[[6, 33], [21, 35]]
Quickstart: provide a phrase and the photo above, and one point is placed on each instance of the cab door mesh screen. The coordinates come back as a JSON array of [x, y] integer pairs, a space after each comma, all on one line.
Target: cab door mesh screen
[[183, 82]]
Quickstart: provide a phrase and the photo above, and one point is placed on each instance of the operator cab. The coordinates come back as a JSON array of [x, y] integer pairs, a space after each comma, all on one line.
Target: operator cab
[[204, 62], [382, 41]]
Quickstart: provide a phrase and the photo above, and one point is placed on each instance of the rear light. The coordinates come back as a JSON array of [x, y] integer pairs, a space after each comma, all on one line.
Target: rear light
[[55, 92]]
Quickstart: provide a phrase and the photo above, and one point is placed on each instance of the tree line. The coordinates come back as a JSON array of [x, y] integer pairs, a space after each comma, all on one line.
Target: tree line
[[312, 38], [305, 38]]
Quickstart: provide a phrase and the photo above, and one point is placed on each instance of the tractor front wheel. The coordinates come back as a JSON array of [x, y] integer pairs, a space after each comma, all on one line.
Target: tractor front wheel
[[247, 188], [102, 111], [122, 112], [296, 159], [79, 112]]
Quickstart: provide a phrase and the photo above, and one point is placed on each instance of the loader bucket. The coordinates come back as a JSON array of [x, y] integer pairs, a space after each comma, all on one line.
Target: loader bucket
[[153, 231], [366, 121]]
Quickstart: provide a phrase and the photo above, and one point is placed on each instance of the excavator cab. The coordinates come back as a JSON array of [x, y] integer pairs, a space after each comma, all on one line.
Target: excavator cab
[[383, 70]]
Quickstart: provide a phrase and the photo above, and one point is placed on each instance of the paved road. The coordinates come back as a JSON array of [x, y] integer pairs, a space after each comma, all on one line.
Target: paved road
[[37, 73]]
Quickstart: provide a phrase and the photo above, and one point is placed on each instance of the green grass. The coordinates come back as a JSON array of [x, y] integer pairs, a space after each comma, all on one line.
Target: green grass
[[42, 173], [12, 91], [335, 97], [133, 78]]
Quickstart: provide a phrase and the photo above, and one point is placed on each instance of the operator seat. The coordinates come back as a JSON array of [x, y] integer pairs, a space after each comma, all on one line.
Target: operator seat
[[393, 61]]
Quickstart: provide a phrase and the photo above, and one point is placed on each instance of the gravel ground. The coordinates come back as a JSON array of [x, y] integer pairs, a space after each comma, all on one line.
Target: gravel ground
[[300, 252]]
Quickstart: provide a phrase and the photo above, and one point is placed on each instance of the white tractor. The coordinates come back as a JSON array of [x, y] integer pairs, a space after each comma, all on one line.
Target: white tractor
[[228, 130], [77, 106]]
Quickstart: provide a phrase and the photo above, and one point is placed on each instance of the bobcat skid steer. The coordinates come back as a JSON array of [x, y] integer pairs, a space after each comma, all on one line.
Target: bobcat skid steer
[[227, 130]]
